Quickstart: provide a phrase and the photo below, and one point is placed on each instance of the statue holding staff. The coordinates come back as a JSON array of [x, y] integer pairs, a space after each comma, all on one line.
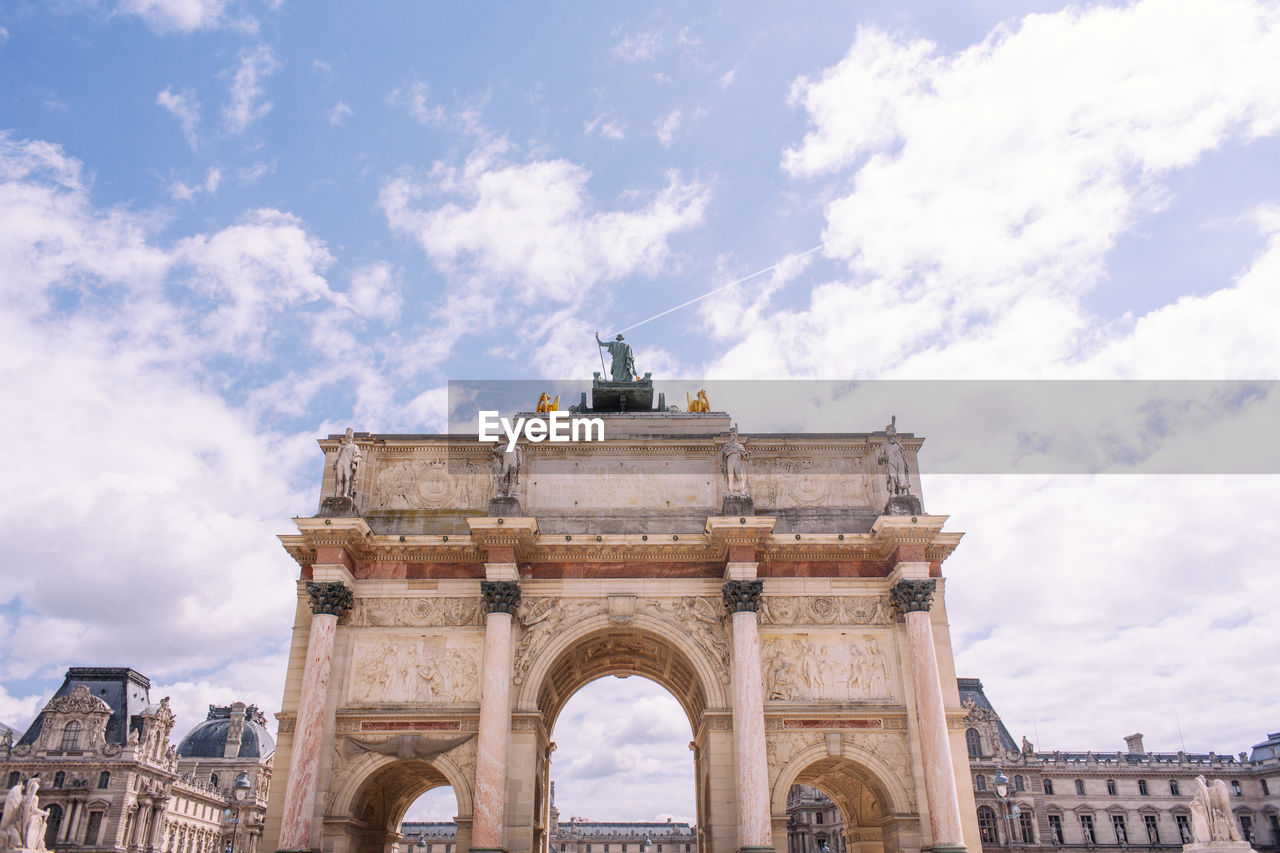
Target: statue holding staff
[[345, 465], [622, 368]]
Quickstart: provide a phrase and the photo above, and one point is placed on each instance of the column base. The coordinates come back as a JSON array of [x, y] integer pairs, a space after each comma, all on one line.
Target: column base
[[946, 848]]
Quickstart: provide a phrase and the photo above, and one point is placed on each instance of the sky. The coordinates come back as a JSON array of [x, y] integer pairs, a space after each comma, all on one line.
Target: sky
[[228, 227]]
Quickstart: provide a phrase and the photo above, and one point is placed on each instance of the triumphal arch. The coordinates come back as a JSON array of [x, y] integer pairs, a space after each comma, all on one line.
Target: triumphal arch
[[785, 588]]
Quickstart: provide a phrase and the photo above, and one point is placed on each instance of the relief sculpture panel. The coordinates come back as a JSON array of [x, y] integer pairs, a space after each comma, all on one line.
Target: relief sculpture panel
[[414, 612], [850, 667], [429, 483], [409, 668], [825, 610], [784, 482]]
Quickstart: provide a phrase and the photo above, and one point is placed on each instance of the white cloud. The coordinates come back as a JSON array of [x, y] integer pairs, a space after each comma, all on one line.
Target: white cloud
[[989, 185], [411, 96], [250, 175], [4, 36], [247, 104], [184, 16], [531, 228], [338, 114], [726, 79], [186, 109], [606, 126], [639, 47], [667, 127], [212, 179]]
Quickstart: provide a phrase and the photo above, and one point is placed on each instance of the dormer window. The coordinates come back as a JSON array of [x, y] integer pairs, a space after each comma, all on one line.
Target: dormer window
[[71, 735]]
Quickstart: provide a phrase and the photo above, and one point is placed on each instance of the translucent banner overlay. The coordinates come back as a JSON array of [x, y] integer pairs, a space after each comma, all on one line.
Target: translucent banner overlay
[[969, 427]]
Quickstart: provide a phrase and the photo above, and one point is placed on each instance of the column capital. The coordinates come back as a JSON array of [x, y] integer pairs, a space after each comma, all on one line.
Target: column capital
[[500, 596], [742, 595], [913, 596], [331, 597]]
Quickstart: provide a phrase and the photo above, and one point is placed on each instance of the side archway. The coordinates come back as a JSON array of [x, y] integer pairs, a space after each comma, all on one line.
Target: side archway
[[876, 810], [365, 812]]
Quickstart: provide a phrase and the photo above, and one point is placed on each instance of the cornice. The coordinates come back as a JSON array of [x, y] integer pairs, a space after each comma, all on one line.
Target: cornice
[[719, 535]]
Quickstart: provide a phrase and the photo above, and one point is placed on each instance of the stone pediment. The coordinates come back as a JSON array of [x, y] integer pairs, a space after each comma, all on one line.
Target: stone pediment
[[79, 701]]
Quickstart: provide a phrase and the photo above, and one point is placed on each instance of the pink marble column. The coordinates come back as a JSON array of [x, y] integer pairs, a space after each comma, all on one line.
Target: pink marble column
[[755, 830], [329, 603], [913, 598], [494, 737]]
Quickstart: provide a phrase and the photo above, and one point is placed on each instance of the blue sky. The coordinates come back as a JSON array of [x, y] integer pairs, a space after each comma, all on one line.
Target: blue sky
[[229, 227]]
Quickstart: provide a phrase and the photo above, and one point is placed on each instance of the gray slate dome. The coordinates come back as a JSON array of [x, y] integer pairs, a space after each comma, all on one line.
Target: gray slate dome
[[209, 739]]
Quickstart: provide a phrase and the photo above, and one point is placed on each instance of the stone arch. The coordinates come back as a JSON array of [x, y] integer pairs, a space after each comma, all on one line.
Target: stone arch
[[676, 661], [873, 801], [376, 791]]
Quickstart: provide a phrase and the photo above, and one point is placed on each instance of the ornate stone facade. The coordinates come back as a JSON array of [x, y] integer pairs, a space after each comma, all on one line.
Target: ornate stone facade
[[773, 627], [1127, 799], [112, 781]]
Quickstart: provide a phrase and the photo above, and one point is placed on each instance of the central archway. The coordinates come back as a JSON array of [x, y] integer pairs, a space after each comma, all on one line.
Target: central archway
[[689, 669]]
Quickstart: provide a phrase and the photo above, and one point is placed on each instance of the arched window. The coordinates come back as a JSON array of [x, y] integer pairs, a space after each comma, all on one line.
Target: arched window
[[1048, 787], [1173, 788], [987, 825], [104, 779], [1079, 787], [213, 780], [974, 741], [1111, 787], [818, 818], [1019, 784], [980, 783], [71, 735], [52, 823], [1142, 787], [59, 779], [1235, 787]]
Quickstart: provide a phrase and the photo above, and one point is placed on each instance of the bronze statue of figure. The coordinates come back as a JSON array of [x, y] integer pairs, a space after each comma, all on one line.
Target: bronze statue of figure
[[623, 366]]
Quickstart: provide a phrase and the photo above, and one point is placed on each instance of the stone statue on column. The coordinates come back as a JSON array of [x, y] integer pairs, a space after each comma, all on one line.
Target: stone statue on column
[[893, 456], [733, 465], [345, 465], [506, 466]]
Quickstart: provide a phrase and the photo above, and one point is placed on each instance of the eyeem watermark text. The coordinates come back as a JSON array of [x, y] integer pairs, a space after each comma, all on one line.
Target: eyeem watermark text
[[558, 426]]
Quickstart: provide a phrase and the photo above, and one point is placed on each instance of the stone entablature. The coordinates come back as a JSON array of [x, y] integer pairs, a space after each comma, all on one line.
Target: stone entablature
[[673, 459]]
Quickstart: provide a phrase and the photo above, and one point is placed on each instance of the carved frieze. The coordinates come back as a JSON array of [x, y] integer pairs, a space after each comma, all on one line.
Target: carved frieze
[[430, 483], [414, 612], [837, 669], [825, 610], [79, 701]]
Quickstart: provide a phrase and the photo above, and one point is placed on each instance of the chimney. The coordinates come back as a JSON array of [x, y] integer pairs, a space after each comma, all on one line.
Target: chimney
[[1135, 744]]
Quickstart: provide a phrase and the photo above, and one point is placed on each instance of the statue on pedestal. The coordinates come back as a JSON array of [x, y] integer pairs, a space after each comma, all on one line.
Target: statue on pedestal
[[897, 474], [22, 824], [345, 465], [1212, 823], [733, 464], [622, 367], [506, 470]]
